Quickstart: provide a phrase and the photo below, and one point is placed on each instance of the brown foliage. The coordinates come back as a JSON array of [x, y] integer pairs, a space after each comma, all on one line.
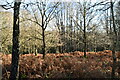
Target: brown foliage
[[66, 65], [107, 51], [118, 55]]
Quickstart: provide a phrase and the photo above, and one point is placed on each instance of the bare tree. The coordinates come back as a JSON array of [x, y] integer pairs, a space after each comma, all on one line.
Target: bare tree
[[43, 13], [86, 16]]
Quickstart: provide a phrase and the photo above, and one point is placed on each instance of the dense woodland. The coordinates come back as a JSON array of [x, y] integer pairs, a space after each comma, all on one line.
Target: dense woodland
[[84, 29]]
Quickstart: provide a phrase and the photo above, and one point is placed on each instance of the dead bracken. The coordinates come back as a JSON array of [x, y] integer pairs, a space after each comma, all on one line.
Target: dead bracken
[[66, 65]]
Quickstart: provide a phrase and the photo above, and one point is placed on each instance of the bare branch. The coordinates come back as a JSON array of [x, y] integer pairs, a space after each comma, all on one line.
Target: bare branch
[[78, 25], [34, 22]]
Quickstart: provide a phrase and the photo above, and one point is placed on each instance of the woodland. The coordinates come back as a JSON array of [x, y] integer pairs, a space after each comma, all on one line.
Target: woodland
[[42, 39]]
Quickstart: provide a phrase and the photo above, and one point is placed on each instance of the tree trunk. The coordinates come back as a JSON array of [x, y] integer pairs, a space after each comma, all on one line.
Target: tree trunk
[[119, 36], [43, 39], [15, 41], [84, 35], [107, 30], [114, 44]]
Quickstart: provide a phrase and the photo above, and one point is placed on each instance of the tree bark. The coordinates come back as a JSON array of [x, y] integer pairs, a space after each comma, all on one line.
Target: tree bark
[[114, 43], [43, 39], [84, 35], [15, 41]]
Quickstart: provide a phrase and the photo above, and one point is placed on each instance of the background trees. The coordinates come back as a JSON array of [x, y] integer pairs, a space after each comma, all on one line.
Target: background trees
[[67, 23], [6, 32], [43, 12], [117, 21]]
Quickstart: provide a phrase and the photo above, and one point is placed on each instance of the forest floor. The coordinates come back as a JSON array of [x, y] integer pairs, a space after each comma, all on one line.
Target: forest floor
[[65, 65]]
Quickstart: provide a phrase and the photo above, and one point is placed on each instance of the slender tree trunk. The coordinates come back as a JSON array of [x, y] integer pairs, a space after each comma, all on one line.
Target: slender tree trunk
[[119, 38], [35, 50], [114, 43], [84, 35], [59, 47], [43, 39], [15, 41], [107, 30]]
